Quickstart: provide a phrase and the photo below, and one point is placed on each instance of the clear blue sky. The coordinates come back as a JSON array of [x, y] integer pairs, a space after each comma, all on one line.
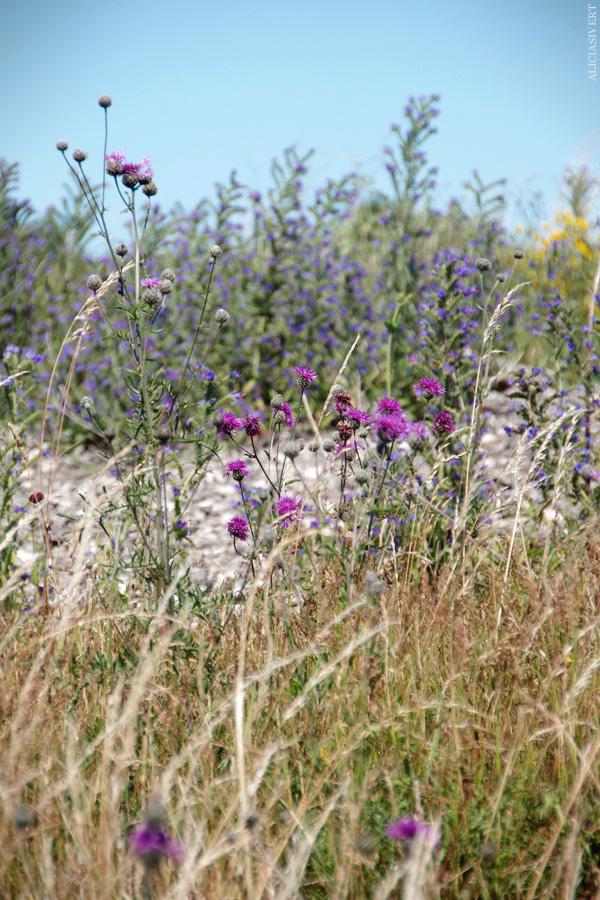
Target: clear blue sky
[[204, 87]]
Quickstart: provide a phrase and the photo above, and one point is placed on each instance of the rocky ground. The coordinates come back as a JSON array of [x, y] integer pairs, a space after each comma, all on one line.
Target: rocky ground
[[78, 486]]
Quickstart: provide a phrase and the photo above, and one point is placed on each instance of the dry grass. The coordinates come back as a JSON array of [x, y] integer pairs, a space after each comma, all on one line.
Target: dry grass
[[283, 743]]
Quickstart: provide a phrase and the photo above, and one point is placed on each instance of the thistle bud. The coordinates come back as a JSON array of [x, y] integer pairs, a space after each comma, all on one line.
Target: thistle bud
[[79, 155], [328, 445], [104, 101], [150, 189], [292, 450], [94, 283], [279, 417], [87, 403], [222, 316], [363, 476], [121, 250], [313, 446], [62, 146], [130, 180], [276, 401], [152, 295], [483, 264], [215, 251], [518, 254], [165, 286], [169, 275]]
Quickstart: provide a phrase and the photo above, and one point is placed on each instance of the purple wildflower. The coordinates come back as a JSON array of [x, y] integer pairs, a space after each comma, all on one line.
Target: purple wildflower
[[230, 425], [288, 509], [392, 426], [151, 844], [150, 282], [238, 469], [115, 162], [252, 426], [289, 416], [388, 405], [142, 169], [342, 401], [356, 417], [407, 829], [238, 528], [443, 422], [428, 388], [305, 375]]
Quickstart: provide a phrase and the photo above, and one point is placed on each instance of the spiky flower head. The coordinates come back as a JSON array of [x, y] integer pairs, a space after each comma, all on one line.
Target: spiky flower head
[[344, 428], [152, 295], [392, 427], [356, 417], [151, 844], [443, 423], [252, 426], [229, 425], [169, 275], [342, 400], [518, 254], [407, 829], [114, 163], [121, 250], [286, 409], [328, 445], [94, 283], [388, 405], [276, 401], [238, 469], [104, 101], [288, 509], [222, 316], [483, 264], [130, 180], [62, 146], [363, 476], [279, 417], [149, 189], [238, 528], [305, 375], [165, 286], [428, 388], [291, 450], [79, 155], [215, 251], [313, 446]]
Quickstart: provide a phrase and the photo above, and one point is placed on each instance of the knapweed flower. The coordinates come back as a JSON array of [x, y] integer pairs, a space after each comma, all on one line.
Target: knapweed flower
[[151, 845], [443, 422], [252, 426], [288, 509], [342, 401], [238, 469], [286, 409], [428, 388], [238, 528], [305, 375], [229, 425], [392, 427], [356, 417], [407, 829], [114, 163], [388, 405]]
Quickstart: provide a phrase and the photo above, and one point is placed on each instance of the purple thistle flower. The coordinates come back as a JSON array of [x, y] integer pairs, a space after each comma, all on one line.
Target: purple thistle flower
[[115, 162], [356, 417], [392, 426], [388, 405], [238, 528], [428, 388], [289, 416], [230, 425], [288, 509], [150, 282], [142, 168], [342, 401], [305, 375], [152, 844], [238, 469], [407, 829], [252, 426], [443, 422]]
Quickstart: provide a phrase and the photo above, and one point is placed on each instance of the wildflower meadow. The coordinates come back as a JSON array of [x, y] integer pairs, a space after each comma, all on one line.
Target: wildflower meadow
[[299, 559]]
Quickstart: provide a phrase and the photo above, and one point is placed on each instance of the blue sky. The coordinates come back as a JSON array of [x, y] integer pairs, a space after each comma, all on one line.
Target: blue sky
[[204, 87]]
